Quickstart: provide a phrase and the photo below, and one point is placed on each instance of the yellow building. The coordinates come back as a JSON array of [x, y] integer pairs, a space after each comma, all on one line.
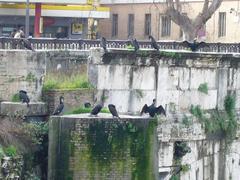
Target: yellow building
[[56, 18], [139, 18]]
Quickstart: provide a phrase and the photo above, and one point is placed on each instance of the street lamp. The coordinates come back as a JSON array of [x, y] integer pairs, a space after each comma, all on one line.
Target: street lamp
[[27, 20]]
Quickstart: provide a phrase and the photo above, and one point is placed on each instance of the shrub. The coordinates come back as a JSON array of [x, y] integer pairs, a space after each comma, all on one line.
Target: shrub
[[15, 98], [203, 88], [10, 151]]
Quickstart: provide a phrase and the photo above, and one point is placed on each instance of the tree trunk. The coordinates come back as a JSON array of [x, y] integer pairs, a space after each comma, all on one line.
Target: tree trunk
[[189, 33]]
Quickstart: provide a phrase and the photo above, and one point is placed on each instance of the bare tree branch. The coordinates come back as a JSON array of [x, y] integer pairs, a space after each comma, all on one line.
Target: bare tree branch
[[178, 5], [188, 25], [205, 6]]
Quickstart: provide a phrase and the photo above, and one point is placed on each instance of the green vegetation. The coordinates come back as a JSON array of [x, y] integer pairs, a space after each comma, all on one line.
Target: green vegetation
[[10, 151], [82, 110], [220, 122], [173, 55], [36, 130], [30, 77], [15, 98], [175, 177], [203, 88], [66, 82], [187, 121], [185, 167], [113, 146]]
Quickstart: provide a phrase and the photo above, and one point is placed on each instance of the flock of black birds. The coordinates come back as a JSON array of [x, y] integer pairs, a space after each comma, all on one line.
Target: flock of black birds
[[194, 46], [152, 110]]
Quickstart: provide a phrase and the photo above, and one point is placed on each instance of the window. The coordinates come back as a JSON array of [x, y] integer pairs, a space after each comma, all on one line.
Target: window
[[115, 25], [166, 26], [130, 24], [222, 24], [147, 24]]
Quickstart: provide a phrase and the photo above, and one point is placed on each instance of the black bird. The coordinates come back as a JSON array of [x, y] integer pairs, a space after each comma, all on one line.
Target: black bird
[[113, 110], [87, 104], [194, 46], [154, 43], [60, 107], [26, 43], [103, 44], [135, 44], [96, 109], [24, 97], [152, 109]]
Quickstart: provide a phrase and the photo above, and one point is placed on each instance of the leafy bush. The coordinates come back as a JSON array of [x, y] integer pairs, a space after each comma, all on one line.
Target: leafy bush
[[15, 98], [36, 130], [187, 121], [223, 122], [10, 151], [66, 82], [196, 111], [203, 88]]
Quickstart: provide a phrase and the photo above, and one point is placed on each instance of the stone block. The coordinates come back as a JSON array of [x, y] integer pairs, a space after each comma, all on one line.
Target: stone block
[[203, 75], [114, 77], [15, 108], [144, 78]]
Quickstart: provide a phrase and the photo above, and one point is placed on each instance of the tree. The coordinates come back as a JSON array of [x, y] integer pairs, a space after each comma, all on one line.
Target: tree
[[189, 26]]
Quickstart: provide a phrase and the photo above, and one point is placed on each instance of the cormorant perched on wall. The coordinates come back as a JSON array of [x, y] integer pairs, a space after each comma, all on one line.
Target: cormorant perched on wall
[[154, 43], [96, 109], [194, 46], [113, 110], [103, 44], [26, 43], [24, 97], [152, 109], [60, 107]]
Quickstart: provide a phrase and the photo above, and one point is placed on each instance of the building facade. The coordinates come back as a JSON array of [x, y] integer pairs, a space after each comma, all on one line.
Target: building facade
[[53, 18], [139, 18]]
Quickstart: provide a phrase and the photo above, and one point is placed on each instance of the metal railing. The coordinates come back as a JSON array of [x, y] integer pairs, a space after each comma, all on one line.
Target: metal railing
[[85, 44]]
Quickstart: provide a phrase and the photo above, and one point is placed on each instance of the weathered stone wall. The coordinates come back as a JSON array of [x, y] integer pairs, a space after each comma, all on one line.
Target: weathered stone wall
[[66, 62], [21, 70], [72, 98], [173, 78], [104, 148], [210, 157]]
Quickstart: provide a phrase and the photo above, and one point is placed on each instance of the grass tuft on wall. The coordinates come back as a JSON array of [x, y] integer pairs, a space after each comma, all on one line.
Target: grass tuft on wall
[[66, 82]]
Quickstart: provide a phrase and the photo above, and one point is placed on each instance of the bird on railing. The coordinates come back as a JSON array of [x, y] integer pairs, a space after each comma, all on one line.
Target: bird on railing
[[154, 43], [133, 44], [113, 110], [27, 44], [194, 46], [60, 107], [152, 109], [103, 44], [24, 97]]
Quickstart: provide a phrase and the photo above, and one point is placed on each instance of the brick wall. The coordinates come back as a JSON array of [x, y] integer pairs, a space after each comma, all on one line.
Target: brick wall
[[72, 98]]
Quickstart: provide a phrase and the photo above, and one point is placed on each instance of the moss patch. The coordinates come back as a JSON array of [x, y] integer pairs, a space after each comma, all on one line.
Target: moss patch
[[112, 149]]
